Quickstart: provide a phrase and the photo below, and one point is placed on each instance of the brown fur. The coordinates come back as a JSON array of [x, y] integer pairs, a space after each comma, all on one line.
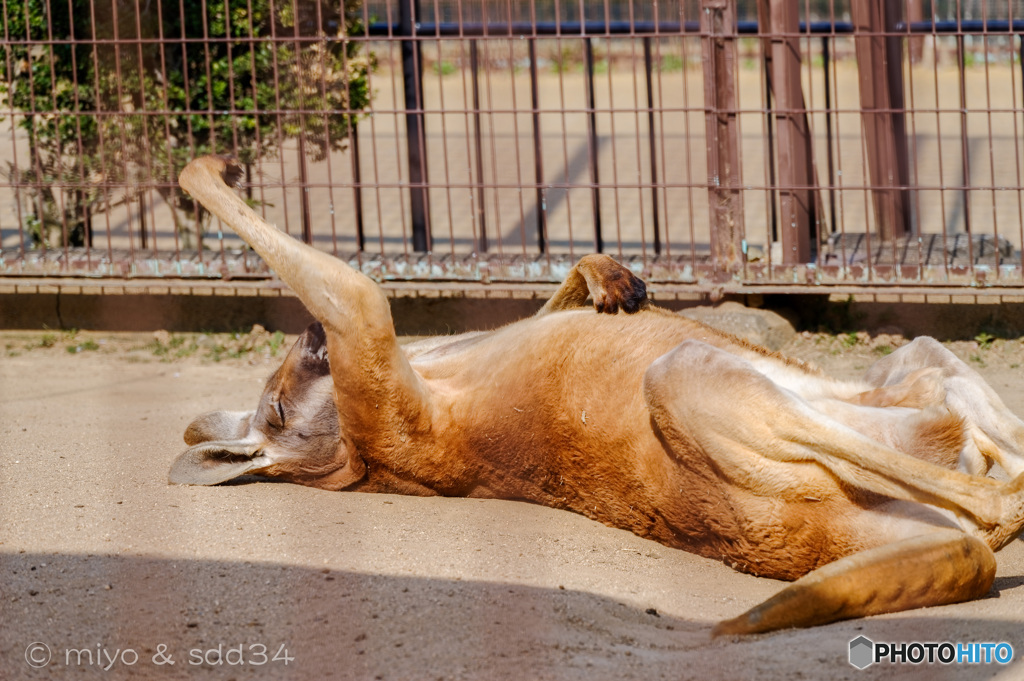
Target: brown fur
[[647, 421]]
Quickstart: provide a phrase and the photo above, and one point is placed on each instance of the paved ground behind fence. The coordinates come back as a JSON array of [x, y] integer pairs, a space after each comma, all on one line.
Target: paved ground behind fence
[[993, 152]]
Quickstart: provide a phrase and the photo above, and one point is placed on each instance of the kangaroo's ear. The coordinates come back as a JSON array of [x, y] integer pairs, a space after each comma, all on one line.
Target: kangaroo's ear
[[313, 347], [218, 425], [232, 173], [212, 463]]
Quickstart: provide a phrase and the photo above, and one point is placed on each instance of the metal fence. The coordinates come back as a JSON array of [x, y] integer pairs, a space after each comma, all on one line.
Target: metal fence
[[713, 144]]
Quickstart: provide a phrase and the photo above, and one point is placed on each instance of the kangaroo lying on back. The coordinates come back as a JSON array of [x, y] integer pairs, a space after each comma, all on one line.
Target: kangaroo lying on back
[[872, 494]]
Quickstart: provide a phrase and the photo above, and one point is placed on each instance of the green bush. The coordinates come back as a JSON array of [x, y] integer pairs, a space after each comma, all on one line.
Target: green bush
[[132, 115]]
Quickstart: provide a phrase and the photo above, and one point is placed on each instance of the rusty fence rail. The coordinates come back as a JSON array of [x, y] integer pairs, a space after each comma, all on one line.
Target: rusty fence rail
[[765, 145]]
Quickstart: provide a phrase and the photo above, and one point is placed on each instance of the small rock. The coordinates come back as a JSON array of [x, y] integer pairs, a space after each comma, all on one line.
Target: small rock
[[760, 327]]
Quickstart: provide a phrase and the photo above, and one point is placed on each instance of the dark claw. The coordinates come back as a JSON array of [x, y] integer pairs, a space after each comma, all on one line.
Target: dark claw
[[636, 298]]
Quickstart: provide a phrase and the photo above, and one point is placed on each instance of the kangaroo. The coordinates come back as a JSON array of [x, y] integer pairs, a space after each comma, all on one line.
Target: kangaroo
[[871, 496]]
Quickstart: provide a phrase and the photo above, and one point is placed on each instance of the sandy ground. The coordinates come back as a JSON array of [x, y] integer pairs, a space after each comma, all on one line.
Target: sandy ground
[[98, 553]]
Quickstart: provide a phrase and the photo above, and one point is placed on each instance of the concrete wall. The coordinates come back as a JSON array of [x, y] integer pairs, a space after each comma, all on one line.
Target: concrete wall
[[436, 315]]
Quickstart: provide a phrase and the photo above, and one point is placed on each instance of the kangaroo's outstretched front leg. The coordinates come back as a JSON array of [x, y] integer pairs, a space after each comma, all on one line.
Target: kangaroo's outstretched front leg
[[752, 429], [373, 381], [934, 569], [608, 283]]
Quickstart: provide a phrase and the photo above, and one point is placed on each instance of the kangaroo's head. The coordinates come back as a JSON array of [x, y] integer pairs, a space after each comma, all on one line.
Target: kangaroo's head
[[292, 435]]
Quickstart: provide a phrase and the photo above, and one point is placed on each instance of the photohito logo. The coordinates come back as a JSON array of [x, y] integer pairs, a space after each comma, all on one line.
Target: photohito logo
[[864, 652]]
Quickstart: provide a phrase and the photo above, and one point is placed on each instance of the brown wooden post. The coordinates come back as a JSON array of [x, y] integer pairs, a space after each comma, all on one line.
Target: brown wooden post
[[880, 69], [725, 198], [780, 23]]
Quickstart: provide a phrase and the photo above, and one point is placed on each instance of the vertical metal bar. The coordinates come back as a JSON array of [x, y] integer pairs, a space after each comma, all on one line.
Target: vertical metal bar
[[725, 198], [965, 150], [101, 137], [637, 109], [564, 128], [991, 144], [915, 173], [79, 194], [595, 192], [478, 146], [768, 133], [352, 133], [496, 192], [60, 193], [1016, 143], [412, 79], [390, 42], [357, 182], [613, 138], [304, 208], [517, 154], [466, 117], [37, 168], [651, 134], [840, 204], [15, 170], [116, 24], [142, 222], [328, 144], [168, 169], [538, 151], [210, 113], [443, 107], [880, 68], [766, 52], [374, 152], [826, 57]]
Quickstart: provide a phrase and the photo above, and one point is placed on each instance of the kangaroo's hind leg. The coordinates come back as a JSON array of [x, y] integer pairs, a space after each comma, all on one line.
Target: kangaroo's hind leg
[[747, 424], [996, 433], [760, 437]]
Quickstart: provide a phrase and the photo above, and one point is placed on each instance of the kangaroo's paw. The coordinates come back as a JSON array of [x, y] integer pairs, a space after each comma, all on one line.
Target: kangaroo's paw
[[613, 287], [610, 285]]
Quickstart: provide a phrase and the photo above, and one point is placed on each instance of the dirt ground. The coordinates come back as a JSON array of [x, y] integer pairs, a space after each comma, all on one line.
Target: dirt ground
[[109, 572]]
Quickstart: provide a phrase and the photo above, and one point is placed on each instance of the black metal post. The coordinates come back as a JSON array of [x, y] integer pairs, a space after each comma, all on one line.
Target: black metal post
[[538, 160], [481, 211], [826, 59], [304, 208], [412, 79], [357, 184], [649, 70], [142, 221], [595, 192], [964, 147], [772, 179]]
